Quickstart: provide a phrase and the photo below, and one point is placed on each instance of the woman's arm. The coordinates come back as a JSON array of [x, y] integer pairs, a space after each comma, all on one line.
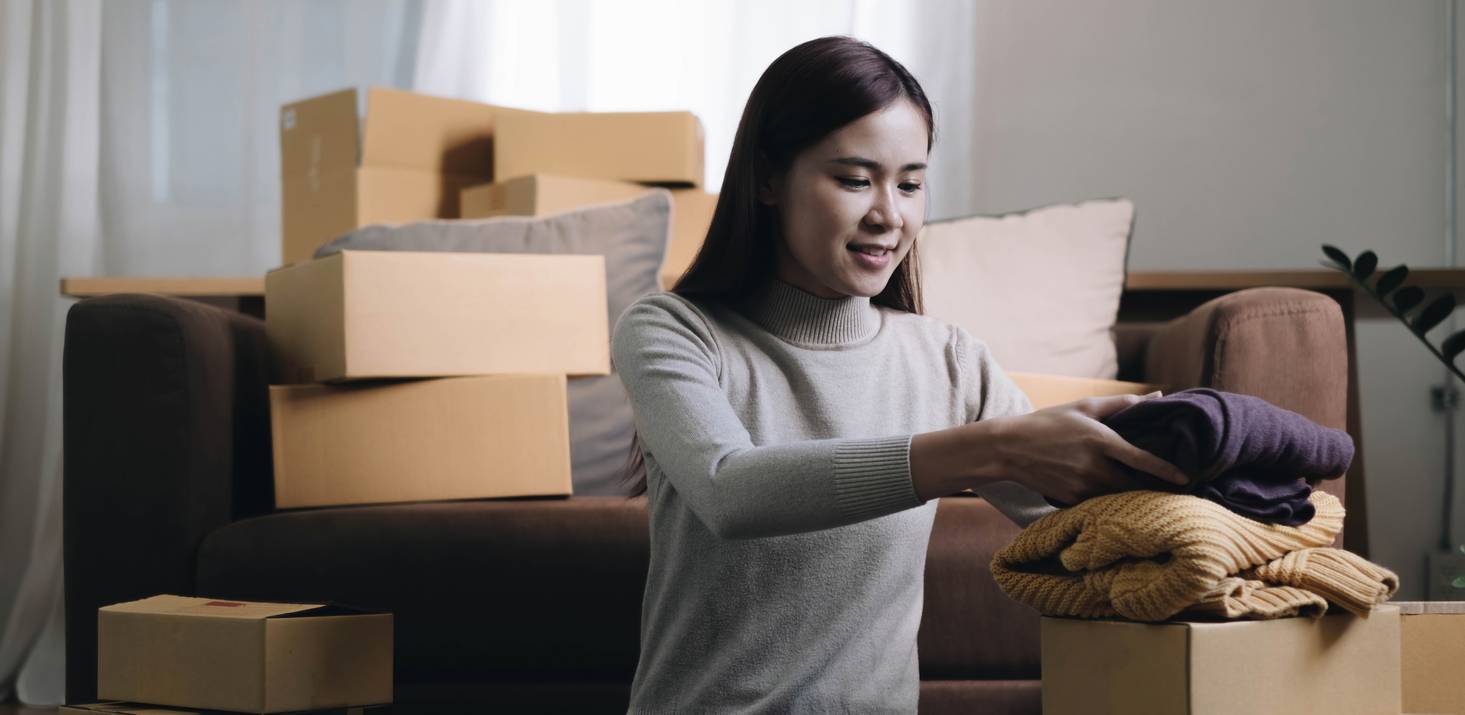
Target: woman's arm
[[665, 355], [1014, 456]]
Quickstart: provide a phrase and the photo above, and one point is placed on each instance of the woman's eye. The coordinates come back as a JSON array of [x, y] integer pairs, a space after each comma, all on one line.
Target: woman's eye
[[910, 188], [854, 183]]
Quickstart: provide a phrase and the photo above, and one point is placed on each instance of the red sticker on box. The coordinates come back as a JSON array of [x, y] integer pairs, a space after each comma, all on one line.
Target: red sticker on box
[[230, 604]]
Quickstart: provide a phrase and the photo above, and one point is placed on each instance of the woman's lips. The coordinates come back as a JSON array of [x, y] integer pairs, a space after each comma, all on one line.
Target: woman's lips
[[874, 261]]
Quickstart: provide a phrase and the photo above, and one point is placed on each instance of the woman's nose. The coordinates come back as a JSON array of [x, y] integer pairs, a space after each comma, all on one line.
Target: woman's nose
[[884, 214]]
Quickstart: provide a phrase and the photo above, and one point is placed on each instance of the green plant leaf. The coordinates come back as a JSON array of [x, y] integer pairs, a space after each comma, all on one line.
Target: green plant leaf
[[1407, 297], [1338, 257], [1391, 280], [1459, 582], [1451, 347], [1365, 263], [1436, 311]]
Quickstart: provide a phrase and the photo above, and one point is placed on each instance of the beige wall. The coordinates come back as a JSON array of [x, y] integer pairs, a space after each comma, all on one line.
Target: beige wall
[[1247, 132]]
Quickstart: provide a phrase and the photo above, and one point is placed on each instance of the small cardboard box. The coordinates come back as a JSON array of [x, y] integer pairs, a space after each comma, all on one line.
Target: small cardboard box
[[243, 656], [663, 148], [1432, 646], [1338, 663], [545, 194], [406, 160], [115, 707], [393, 314], [420, 440], [1047, 390]]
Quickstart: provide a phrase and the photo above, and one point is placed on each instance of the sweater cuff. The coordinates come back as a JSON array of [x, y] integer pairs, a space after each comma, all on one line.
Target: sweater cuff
[[872, 477]]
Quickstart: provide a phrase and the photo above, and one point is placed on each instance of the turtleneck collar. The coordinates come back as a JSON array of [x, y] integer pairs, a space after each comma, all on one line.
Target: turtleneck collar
[[801, 317]]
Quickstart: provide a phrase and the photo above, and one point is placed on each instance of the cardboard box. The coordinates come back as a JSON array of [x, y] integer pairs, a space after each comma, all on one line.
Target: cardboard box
[[406, 160], [1047, 390], [114, 707], [243, 656], [546, 194], [1432, 646], [420, 440], [1339, 663], [663, 148], [388, 314]]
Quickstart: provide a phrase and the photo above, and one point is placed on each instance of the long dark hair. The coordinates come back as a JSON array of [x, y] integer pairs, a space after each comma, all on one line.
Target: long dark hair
[[806, 94]]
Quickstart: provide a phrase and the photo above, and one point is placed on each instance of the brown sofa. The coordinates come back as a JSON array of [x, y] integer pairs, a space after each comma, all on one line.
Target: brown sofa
[[518, 605]]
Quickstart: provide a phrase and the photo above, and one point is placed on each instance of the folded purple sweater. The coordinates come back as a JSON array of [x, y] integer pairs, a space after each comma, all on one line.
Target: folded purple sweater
[[1241, 451]]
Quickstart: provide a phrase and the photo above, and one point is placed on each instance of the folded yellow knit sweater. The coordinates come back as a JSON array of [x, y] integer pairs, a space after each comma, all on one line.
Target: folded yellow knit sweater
[[1149, 555]]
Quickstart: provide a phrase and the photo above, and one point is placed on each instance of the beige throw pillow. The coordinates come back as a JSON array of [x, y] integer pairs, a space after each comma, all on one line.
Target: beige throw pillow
[[1041, 287]]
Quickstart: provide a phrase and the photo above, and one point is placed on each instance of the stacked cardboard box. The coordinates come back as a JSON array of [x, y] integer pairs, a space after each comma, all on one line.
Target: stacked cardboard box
[[425, 376], [181, 654], [405, 160], [550, 162], [413, 156], [354, 334], [544, 194]]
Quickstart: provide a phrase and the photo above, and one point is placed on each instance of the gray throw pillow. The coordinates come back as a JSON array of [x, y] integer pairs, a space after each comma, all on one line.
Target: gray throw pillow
[[632, 235]]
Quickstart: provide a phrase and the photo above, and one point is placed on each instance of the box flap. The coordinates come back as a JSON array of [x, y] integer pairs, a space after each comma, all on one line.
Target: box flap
[[1045, 390], [208, 607], [411, 130], [319, 134]]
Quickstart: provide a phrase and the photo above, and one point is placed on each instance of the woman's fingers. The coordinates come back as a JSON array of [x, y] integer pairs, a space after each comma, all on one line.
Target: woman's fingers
[[1100, 407], [1147, 462]]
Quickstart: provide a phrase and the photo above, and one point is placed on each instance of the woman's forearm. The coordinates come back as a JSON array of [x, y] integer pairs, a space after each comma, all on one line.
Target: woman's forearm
[[947, 461]]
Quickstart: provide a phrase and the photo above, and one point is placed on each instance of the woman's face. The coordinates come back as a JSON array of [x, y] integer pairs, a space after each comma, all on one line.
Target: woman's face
[[850, 206]]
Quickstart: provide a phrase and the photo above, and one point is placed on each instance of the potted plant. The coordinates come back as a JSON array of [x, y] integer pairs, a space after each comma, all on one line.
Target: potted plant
[[1408, 304]]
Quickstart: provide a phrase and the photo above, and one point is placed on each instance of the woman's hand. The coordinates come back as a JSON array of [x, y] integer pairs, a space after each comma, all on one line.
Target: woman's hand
[[1066, 454]]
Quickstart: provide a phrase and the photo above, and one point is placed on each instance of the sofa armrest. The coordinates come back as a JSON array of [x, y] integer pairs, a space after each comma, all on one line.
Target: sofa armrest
[[165, 439], [1285, 345]]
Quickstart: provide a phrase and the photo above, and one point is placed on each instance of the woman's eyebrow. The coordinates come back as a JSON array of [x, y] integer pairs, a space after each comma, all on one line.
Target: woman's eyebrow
[[873, 165]]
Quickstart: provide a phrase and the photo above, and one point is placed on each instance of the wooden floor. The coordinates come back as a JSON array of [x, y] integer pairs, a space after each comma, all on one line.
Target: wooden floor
[[12, 709]]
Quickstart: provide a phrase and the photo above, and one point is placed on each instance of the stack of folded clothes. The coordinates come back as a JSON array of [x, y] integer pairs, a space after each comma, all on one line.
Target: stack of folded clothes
[[1240, 451], [1249, 538]]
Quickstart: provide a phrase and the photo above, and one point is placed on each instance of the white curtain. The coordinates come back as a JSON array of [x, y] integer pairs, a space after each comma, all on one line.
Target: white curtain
[[138, 137], [698, 55], [49, 127]]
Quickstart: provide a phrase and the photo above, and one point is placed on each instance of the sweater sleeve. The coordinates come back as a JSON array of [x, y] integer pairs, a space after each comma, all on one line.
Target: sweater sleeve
[[991, 393], [666, 355]]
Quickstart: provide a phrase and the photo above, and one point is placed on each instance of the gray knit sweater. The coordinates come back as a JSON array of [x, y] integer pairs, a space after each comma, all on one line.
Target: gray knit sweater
[[788, 546]]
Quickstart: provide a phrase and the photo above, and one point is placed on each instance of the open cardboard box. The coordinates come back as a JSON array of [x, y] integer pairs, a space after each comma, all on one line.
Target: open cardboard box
[[400, 314], [545, 194], [1045, 390], [243, 656], [405, 160]]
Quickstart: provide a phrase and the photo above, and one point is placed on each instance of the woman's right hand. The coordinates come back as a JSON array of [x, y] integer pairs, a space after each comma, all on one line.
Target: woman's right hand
[[1066, 454]]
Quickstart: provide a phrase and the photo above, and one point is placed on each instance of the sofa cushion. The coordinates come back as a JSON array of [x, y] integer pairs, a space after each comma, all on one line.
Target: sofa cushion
[[969, 627], [1040, 287], [475, 585], [632, 235], [485, 590]]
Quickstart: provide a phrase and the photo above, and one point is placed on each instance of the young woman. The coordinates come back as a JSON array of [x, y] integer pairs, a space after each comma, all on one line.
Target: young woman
[[797, 417]]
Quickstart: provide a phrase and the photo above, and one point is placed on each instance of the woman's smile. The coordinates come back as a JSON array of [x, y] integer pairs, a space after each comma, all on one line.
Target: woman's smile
[[874, 257]]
